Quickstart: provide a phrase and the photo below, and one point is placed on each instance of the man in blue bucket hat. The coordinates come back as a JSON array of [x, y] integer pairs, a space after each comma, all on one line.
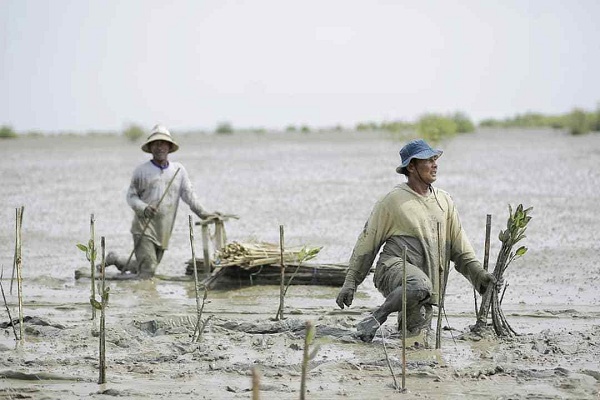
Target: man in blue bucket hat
[[424, 220]]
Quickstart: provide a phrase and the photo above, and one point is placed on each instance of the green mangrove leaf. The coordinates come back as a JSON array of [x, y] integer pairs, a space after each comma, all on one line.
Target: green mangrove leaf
[[96, 304], [521, 251]]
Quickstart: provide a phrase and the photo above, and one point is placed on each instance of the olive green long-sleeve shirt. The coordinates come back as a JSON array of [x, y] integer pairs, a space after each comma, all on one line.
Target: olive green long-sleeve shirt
[[431, 223]]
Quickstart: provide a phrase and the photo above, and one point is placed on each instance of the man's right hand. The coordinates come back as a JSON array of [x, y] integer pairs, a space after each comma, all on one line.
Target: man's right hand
[[150, 211], [345, 296]]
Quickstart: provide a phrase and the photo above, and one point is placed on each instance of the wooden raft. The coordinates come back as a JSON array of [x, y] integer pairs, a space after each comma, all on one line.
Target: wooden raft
[[246, 264], [237, 276]]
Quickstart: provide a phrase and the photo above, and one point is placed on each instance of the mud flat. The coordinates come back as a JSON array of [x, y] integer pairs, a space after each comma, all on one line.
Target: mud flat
[[321, 187]]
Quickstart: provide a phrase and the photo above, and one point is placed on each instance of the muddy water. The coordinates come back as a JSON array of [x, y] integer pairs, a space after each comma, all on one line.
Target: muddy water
[[321, 187]]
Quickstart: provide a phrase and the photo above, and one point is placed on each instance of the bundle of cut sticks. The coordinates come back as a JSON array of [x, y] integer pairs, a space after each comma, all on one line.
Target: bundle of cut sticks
[[248, 255]]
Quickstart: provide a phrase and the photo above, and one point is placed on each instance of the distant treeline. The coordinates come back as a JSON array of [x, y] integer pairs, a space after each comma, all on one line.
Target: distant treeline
[[430, 126], [578, 121], [436, 126]]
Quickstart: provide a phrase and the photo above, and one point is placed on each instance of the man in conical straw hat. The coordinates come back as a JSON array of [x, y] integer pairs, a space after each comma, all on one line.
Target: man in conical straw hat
[[156, 181], [424, 220]]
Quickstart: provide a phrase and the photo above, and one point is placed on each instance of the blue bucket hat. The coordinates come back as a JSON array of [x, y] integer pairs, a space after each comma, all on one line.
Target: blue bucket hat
[[418, 149]]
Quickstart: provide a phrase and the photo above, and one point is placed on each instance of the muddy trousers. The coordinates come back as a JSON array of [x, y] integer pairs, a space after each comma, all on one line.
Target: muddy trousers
[[388, 280], [147, 257]]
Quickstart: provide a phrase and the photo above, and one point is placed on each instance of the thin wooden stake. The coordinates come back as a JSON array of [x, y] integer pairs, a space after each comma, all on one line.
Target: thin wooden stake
[[306, 357], [279, 315], [104, 294], [438, 332], [205, 251], [18, 220], [92, 252], [486, 254], [196, 283], [12, 323], [387, 357], [255, 384], [488, 229], [404, 319], [19, 274], [200, 325]]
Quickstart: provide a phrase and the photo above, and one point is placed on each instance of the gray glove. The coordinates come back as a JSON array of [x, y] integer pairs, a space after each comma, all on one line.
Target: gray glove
[[487, 280], [346, 294]]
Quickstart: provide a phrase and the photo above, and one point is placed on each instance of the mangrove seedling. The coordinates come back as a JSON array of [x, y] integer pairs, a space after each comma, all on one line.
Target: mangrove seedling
[[305, 254], [90, 254], [516, 226], [101, 305], [310, 352]]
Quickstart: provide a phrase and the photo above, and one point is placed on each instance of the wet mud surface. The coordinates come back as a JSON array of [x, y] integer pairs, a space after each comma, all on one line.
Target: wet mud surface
[[321, 187]]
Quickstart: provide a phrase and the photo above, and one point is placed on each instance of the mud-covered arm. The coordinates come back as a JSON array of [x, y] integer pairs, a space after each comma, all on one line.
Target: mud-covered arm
[[376, 231], [463, 255]]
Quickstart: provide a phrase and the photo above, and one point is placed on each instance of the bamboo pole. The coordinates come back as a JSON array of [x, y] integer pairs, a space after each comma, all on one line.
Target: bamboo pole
[[387, 358], [12, 323], [92, 253], [438, 332], [255, 384], [200, 325], [488, 229], [205, 250], [135, 246], [196, 282], [404, 319], [220, 236], [18, 220], [486, 254], [306, 357], [19, 273], [279, 315], [102, 377]]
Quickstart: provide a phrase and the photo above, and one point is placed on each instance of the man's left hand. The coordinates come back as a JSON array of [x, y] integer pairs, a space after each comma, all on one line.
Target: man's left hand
[[489, 279]]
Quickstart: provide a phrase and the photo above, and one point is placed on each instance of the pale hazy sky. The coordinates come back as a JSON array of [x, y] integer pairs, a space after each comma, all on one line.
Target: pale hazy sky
[[98, 65]]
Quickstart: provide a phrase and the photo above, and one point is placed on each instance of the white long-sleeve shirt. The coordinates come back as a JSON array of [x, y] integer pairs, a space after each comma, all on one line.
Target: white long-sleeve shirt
[[148, 184]]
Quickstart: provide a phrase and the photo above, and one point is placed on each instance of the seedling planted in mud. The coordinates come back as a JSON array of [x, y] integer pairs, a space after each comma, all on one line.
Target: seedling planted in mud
[[200, 325], [305, 254], [515, 232], [255, 384], [19, 267], [90, 254], [279, 314], [102, 307], [18, 224], [310, 352]]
